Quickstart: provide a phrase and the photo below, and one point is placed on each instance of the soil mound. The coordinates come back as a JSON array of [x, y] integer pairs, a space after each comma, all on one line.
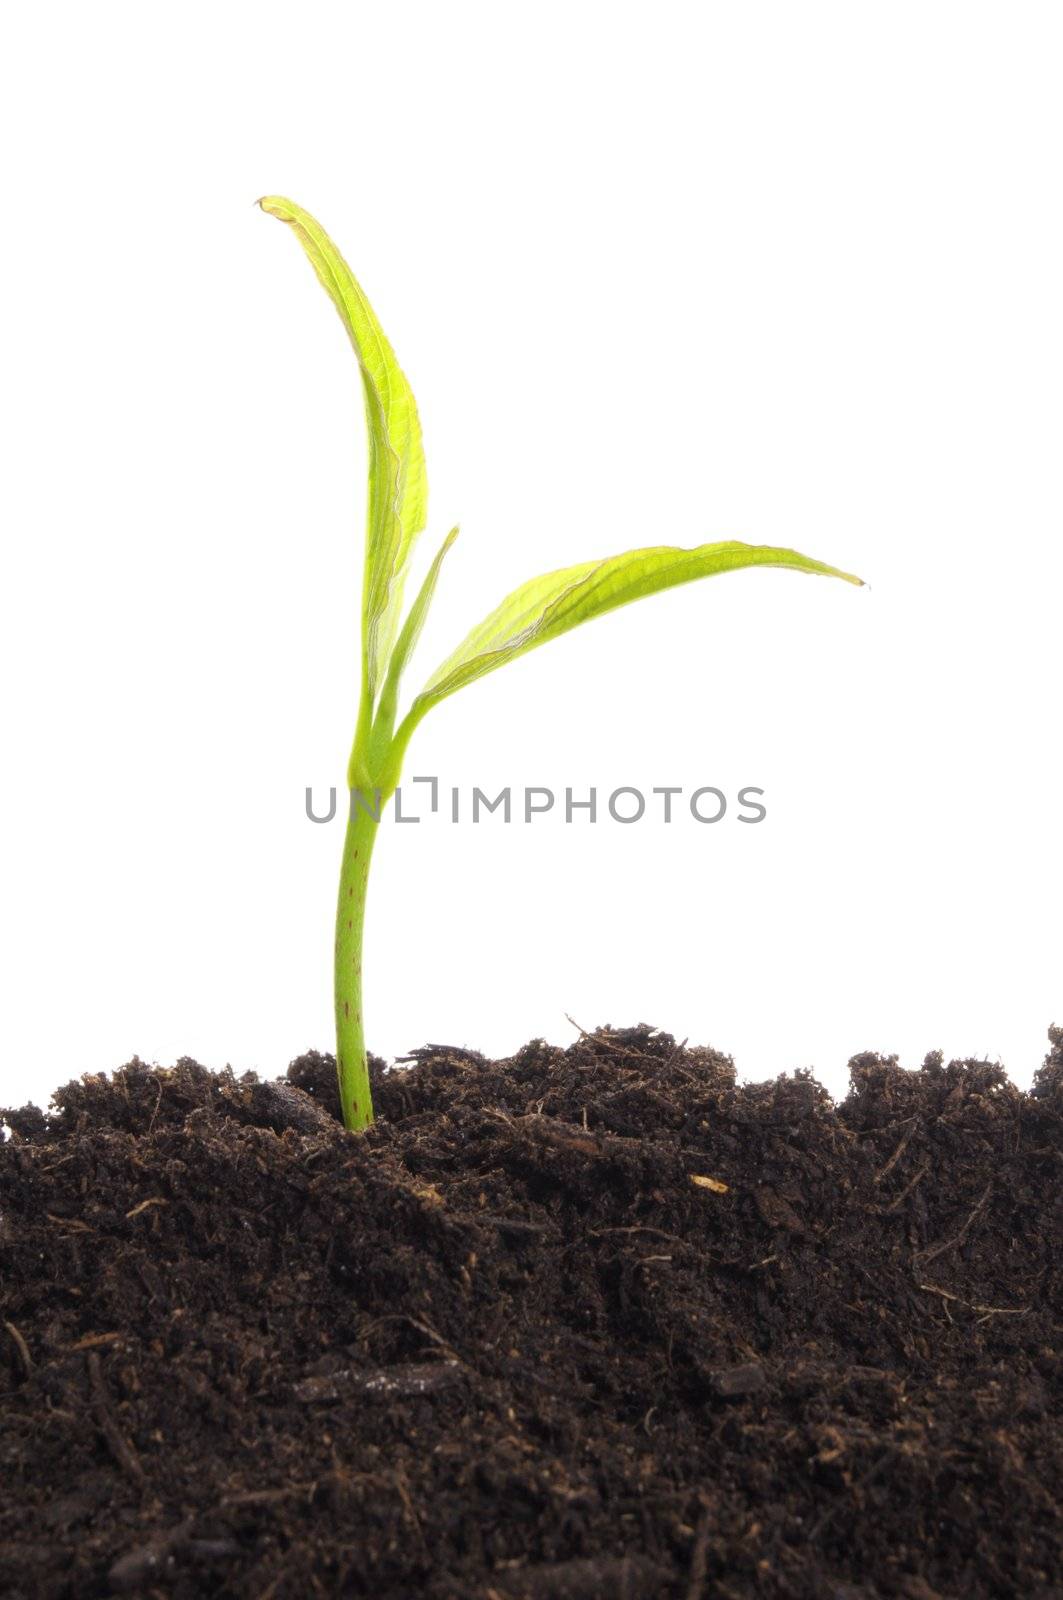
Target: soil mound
[[580, 1323]]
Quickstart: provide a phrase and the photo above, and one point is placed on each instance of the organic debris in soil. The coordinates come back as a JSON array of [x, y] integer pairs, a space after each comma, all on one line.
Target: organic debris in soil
[[592, 1322]]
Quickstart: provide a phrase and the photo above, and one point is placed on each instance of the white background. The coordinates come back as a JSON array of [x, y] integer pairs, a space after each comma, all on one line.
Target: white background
[[658, 274]]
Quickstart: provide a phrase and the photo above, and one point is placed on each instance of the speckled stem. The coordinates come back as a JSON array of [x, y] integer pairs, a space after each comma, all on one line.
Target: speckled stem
[[351, 1067]]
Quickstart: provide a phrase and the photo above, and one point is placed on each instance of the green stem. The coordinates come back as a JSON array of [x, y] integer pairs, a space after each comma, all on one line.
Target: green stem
[[351, 1066]]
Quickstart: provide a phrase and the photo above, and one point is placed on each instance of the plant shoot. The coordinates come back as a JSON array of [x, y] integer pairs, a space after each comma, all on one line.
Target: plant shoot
[[536, 612]]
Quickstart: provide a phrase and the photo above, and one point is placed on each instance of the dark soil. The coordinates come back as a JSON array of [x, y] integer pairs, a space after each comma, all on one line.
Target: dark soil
[[582, 1323]]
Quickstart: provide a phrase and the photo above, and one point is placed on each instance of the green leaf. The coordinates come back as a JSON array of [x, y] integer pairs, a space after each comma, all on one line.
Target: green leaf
[[398, 483], [384, 724], [551, 605]]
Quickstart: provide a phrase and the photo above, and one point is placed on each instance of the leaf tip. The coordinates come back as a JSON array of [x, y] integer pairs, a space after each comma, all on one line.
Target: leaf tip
[[274, 206], [849, 577]]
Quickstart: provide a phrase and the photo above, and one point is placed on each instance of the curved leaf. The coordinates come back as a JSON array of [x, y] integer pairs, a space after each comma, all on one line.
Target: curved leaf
[[549, 606], [384, 723], [398, 482]]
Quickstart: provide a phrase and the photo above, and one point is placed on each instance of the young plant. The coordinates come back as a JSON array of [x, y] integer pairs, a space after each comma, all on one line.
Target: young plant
[[538, 611]]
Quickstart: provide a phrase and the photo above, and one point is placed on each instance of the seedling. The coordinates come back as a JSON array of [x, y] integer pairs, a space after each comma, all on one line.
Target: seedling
[[538, 611]]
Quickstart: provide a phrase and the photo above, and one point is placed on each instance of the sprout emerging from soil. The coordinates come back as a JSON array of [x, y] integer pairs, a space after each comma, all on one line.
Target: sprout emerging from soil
[[534, 613]]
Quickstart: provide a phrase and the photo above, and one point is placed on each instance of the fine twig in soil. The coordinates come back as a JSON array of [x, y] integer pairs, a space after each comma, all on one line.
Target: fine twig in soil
[[22, 1347], [370, 1328], [265, 1497], [658, 1233], [73, 1223], [92, 1341], [559, 1135], [403, 1490], [895, 1204], [614, 1048], [118, 1444], [154, 1114], [986, 1311], [933, 1251], [905, 1139], [699, 1560]]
